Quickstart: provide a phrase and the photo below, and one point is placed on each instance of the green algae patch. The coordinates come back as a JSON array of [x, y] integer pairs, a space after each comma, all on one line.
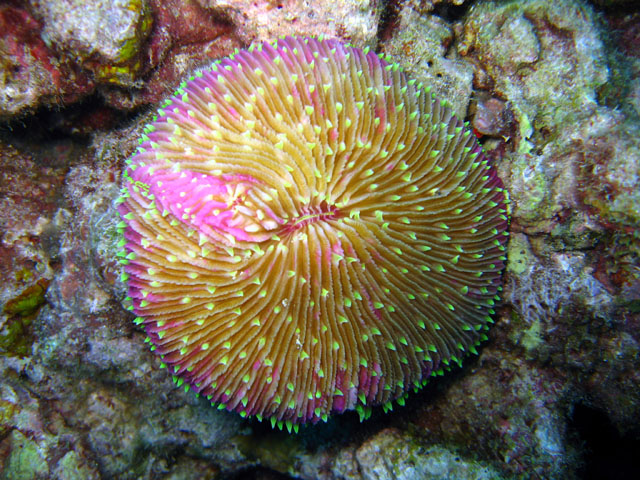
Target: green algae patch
[[279, 452], [532, 336], [72, 467], [16, 336], [519, 255], [25, 462], [7, 410]]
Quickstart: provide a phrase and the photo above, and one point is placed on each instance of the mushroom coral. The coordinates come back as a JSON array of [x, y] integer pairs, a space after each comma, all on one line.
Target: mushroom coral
[[308, 231]]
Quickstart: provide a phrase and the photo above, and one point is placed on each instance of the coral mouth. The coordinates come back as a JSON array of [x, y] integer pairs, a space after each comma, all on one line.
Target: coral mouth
[[311, 214]]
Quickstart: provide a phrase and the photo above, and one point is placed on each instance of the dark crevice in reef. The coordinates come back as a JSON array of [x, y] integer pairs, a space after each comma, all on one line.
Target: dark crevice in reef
[[389, 20], [607, 453], [618, 8], [260, 474], [449, 12], [338, 430], [74, 123]]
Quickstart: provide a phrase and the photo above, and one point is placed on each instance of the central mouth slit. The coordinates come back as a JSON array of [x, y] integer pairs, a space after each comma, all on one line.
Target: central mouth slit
[[312, 214]]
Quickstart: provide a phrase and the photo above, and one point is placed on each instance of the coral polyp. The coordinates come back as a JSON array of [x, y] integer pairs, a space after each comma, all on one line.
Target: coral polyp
[[308, 231]]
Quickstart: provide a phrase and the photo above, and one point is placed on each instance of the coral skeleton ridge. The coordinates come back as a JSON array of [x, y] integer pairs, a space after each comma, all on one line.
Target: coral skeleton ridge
[[308, 231]]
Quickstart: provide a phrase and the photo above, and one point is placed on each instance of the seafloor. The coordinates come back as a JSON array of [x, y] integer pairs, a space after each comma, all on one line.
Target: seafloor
[[551, 89]]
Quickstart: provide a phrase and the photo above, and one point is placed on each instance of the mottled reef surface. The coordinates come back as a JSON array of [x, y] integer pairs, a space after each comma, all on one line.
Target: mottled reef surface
[[552, 90]]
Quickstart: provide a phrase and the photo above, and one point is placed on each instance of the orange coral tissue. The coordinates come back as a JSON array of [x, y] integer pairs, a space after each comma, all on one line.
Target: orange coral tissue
[[308, 231]]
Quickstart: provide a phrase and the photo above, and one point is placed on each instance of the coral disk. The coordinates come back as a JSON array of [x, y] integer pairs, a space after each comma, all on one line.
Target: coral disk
[[308, 231]]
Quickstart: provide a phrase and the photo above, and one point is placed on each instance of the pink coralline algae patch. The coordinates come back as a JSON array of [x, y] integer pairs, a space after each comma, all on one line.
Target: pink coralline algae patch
[[308, 231], [29, 72]]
